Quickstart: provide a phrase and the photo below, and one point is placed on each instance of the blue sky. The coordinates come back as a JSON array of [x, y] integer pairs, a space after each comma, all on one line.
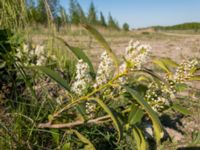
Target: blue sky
[[143, 13]]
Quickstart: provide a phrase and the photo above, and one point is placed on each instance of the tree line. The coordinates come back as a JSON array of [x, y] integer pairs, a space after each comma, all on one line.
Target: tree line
[[38, 10], [185, 26]]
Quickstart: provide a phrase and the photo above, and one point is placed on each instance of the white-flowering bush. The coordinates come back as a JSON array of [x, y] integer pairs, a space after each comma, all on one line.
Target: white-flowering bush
[[136, 54], [126, 93], [82, 78], [33, 55], [105, 70]]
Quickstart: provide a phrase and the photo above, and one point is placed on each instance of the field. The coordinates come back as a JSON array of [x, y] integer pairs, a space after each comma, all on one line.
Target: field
[[182, 129], [176, 45], [80, 81]]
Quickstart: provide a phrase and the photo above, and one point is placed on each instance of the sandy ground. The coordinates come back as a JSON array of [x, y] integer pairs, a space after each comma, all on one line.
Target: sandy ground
[[173, 45]]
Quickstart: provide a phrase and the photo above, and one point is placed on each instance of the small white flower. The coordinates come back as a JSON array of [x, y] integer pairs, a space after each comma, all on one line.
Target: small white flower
[[136, 53], [82, 78], [183, 72], [105, 70], [90, 109]]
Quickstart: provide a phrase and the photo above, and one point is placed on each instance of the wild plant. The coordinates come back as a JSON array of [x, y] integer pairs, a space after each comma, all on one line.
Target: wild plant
[[124, 93]]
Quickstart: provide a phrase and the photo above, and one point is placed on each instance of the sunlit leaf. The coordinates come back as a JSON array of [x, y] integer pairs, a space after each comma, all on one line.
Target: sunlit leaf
[[102, 41], [55, 76], [79, 54], [139, 138], [180, 109], [116, 122], [155, 120], [195, 78], [89, 145], [66, 146], [56, 136], [169, 62], [135, 115], [181, 87], [161, 65]]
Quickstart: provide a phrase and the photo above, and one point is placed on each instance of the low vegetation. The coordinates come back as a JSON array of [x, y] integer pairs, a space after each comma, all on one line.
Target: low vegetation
[[54, 98]]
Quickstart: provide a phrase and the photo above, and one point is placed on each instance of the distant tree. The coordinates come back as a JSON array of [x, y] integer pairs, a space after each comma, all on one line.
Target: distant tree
[[63, 16], [112, 23], [102, 20], [81, 13], [92, 16], [41, 16], [54, 6], [31, 10], [41, 12], [74, 15], [125, 27]]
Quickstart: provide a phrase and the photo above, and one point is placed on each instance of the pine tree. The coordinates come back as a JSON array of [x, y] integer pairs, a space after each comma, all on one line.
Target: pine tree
[[92, 16], [80, 12], [112, 23], [41, 16], [102, 20], [63, 16], [74, 15]]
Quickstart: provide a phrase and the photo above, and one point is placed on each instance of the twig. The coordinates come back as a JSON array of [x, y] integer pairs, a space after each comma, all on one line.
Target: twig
[[73, 124], [98, 120]]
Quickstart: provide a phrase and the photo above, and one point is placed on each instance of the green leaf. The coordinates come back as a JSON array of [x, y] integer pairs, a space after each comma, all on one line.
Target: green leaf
[[116, 122], [102, 41], [195, 78], [155, 120], [89, 145], [169, 62], [135, 115], [161, 65], [139, 138], [55, 76], [56, 136], [79, 54], [180, 109], [66, 146], [181, 87], [152, 74], [2, 64]]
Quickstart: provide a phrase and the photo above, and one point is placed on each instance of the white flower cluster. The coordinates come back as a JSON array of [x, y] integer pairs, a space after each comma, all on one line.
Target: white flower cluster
[[82, 78], [157, 97], [122, 69], [90, 109], [136, 54], [105, 70], [31, 55], [184, 71], [40, 54]]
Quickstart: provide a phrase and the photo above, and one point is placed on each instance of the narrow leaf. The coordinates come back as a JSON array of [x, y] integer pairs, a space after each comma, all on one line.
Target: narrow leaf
[[102, 41], [169, 62], [161, 65], [195, 78], [79, 54], [140, 140], [155, 120], [180, 109], [135, 115], [116, 122], [89, 145], [55, 76]]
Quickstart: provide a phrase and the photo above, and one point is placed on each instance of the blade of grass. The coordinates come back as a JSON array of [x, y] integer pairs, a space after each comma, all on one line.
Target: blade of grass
[[55, 76], [102, 41], [116, 122], [79, 54]]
